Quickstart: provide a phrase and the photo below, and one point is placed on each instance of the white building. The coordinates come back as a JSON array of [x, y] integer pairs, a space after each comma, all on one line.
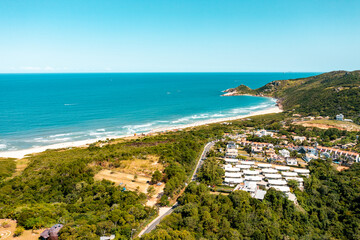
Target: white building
[[249, 186], [289, 174], [264, 165], [259, 194], [340, 117], [233, 181], [251, 172], [299, 138], [272, 176], [247, 162], [253, 178], [301, 171], [256, 149], [231, 160], [232, 169], [231, 153], [107, 237], [231, 145], [291, 161], [269, 170], [282, 168], [284, 189], [233, 174], [242, 166], [277, 182], [285, 153], [263, 133]]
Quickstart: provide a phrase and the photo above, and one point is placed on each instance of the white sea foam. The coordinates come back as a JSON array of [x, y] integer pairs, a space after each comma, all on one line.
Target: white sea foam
[[60, 135], [47, 140], [216, 115], [139, 126], [3, 146], [93, 133], [129, 130]]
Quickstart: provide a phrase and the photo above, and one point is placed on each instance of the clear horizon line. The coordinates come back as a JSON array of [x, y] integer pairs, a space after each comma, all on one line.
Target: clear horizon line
[[175, 72]]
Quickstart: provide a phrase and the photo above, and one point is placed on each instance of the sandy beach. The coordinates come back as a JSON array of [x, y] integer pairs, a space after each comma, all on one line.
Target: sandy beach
[[23, 153]]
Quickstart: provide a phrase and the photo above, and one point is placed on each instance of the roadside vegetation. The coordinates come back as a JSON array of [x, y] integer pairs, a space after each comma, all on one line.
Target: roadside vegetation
[[329, 209]]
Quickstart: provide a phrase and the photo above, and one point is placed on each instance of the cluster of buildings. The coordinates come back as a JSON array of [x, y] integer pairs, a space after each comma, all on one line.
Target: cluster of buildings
[[256, 178], [309, 153], [267, 150]]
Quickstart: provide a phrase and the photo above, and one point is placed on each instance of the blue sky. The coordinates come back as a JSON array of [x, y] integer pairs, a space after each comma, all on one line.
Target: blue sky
[[179, 36]]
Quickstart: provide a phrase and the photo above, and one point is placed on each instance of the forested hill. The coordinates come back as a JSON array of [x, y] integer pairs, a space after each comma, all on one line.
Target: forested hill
[[325, 94]]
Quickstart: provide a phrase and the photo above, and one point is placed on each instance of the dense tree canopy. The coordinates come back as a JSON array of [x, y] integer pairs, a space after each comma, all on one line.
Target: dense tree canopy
[[329, 209]]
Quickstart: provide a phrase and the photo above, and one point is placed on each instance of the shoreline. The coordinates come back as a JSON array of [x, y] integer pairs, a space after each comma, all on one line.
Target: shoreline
[[18, 154]]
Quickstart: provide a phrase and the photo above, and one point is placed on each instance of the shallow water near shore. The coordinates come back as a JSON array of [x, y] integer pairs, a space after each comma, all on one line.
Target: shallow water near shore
[[38, 110]]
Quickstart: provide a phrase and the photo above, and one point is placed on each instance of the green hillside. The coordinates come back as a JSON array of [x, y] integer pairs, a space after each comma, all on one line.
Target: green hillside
[[325, 94]]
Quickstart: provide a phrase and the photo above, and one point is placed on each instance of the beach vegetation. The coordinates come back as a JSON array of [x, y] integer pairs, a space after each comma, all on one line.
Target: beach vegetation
[[7, 168]]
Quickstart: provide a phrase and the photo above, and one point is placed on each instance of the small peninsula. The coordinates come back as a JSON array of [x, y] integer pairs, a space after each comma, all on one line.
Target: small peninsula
[[325, 94]]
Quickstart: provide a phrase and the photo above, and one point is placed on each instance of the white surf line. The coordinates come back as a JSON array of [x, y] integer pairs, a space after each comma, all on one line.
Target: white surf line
[[23, 153]]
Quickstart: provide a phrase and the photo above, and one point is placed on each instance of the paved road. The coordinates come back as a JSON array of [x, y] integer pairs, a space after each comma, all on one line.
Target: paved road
[[201, 160], [157, 220]]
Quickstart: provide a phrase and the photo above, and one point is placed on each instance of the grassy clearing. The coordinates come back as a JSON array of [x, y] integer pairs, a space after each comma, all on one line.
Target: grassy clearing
[[129, 181], [144, 167], [326, 124], [219, 193], [124, 179], [21, 164]]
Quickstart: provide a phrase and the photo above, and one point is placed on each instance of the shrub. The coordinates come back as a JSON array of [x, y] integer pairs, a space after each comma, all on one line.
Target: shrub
[[18, 231]]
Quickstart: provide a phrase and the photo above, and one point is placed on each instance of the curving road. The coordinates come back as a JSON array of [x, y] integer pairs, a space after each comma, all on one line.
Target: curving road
[[157, 220], [201, 160]]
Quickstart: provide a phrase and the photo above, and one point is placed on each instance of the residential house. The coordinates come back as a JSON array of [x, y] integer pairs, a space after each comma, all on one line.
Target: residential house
[[325, 155], [339, 117], [231, 153], [299, 138], [256, 149], [263, 133], [52, 233], [285, 153], [291, 161], [231, 145], [309, 156]]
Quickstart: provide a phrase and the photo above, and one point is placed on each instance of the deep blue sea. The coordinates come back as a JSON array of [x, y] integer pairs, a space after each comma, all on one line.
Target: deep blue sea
[[44, 109]]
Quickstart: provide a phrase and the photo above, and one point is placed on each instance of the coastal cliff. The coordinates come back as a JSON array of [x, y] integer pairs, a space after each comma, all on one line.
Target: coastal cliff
[[325, 94]]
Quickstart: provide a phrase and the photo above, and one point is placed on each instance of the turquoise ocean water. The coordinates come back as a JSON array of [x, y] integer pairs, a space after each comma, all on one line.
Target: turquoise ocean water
[[44, 109]]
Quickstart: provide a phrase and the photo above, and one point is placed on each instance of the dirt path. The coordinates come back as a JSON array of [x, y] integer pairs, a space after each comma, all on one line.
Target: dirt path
[[7, 233]]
